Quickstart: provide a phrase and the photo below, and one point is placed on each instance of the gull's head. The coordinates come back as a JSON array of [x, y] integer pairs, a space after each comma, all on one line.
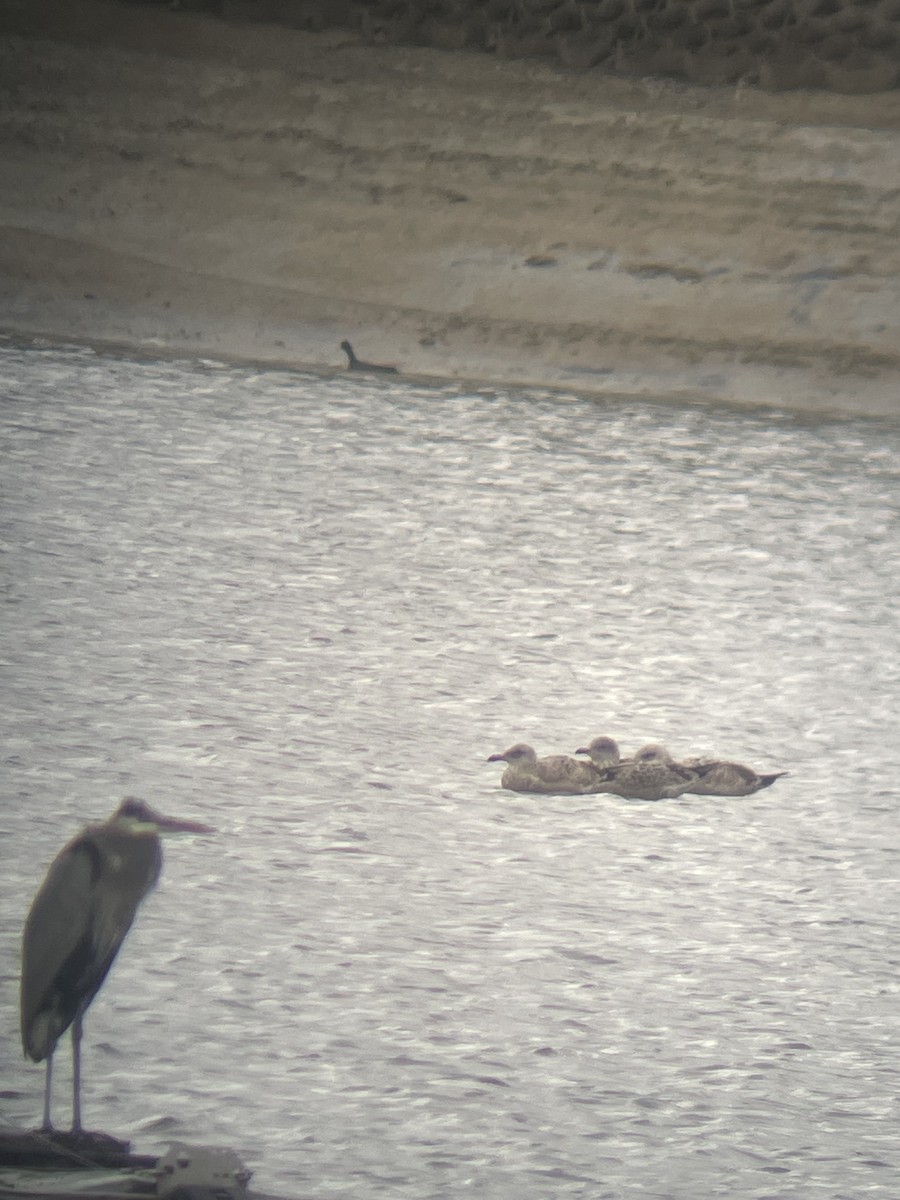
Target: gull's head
[[653, 754], [601, 748], [519, 753]]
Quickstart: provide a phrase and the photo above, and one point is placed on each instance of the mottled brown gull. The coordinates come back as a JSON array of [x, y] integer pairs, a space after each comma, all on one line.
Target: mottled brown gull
[[557, 774], [651, 775], [602, 751], [719, 778]]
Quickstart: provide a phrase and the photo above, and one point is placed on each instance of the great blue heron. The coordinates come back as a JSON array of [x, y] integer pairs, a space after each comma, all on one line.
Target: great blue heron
[[76, 924], [357, 364]]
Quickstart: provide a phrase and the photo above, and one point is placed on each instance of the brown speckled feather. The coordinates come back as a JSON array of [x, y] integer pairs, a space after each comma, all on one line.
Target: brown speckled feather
[[557, 774], [728, 778]]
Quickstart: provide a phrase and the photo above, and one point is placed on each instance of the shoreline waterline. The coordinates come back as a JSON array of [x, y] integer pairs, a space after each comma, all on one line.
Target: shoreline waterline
[[467, 218]]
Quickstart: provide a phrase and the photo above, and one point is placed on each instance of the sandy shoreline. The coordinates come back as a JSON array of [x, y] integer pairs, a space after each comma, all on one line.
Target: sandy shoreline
[[179, 184]]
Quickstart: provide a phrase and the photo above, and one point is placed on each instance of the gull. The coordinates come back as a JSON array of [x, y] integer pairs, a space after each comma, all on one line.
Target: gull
[[557, 774], [719, 778], [651, 775]]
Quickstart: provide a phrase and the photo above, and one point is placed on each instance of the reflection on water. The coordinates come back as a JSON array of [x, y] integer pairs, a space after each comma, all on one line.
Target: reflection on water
[[306, 611]]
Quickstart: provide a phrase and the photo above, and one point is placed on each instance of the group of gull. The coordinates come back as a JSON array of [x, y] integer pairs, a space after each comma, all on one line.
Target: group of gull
[[650, 774]]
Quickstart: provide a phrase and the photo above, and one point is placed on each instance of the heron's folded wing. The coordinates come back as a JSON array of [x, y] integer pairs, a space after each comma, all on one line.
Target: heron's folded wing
[[55, 928]]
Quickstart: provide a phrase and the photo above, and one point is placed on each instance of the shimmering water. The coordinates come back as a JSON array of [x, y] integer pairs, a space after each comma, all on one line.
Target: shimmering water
[[306, 611]]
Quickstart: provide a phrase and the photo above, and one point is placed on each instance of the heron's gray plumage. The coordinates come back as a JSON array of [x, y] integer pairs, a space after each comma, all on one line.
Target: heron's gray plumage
[[78, 920], [77, 923]]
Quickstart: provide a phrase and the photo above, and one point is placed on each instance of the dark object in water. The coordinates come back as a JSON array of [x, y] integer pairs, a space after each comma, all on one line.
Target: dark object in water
[[60, 1150], [51, 1165], [357, 364]]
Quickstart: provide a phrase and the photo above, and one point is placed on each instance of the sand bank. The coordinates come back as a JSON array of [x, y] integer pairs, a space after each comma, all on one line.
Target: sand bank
[[179, 183]]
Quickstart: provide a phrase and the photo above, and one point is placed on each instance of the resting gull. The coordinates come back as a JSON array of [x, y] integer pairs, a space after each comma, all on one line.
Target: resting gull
[[558, 774], [727, 778], [651, 775]]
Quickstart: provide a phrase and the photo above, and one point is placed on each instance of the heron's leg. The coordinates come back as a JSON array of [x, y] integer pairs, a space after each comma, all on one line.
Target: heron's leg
[[76, 1075], [48, 1087]]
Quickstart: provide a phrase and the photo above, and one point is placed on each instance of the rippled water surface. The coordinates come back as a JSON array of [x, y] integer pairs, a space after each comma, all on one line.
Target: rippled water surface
[[306, 611]]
